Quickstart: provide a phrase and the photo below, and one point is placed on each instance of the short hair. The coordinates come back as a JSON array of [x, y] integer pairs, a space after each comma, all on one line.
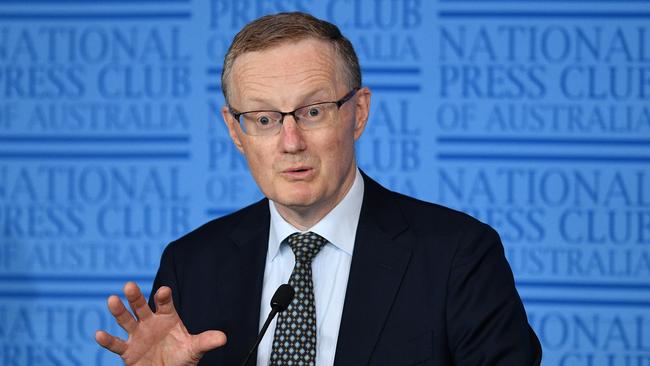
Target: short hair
[[276, 29]]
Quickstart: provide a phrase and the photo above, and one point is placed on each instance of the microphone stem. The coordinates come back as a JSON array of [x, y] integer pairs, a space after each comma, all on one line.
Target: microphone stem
[[259, 338]]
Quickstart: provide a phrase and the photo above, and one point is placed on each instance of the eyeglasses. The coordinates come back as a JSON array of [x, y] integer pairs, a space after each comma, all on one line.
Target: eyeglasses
[[308, 117]]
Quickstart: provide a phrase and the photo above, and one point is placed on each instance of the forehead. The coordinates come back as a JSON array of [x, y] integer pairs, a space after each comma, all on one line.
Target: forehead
[[282, 73]]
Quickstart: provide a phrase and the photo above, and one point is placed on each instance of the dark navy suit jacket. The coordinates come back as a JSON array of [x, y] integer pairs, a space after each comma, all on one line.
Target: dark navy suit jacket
[[427, 286]]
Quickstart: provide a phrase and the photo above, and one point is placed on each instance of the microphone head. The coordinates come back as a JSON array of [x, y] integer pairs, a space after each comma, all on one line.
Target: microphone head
[[282, 297]]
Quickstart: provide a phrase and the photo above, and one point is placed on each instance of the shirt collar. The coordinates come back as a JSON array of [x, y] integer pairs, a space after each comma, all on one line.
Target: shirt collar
[[338, 227]]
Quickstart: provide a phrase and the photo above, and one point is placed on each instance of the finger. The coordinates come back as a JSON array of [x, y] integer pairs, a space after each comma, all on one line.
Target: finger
[[137, 301], [124, 318], [208, 340], [164, 301], [111, 343]]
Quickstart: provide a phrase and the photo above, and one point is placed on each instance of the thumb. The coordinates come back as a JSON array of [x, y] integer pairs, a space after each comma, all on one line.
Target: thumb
[[208, 340]]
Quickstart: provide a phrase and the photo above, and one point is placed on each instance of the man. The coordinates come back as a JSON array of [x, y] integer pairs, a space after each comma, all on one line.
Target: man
[[391, 280]]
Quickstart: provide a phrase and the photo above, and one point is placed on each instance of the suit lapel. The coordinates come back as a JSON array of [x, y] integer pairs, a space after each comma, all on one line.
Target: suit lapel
[[243, 275], [381, 255]]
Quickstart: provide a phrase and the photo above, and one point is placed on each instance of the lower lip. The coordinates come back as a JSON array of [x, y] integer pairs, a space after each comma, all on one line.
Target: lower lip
[[298, 174]]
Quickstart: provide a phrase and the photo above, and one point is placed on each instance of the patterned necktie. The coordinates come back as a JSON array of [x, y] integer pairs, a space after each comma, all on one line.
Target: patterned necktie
[[294, 342]]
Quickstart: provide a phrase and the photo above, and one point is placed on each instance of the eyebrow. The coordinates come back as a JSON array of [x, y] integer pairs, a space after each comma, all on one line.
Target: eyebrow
[[305, 99], [316, 93]]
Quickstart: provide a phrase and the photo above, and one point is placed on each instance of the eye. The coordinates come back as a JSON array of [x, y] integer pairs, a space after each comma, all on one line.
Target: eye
[[314, 112], [264, 120]]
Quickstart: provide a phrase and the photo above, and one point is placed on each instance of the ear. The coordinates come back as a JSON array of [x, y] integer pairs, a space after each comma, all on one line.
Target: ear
[[362, 111], [233, 128]]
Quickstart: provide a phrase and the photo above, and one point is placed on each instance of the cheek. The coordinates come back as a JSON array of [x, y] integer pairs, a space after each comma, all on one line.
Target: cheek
[[260, 166], [338, 152], [259, 161]]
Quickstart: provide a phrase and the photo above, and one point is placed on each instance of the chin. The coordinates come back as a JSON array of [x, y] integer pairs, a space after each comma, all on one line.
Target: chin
[[295, 201], [298, 197], [296, 192]]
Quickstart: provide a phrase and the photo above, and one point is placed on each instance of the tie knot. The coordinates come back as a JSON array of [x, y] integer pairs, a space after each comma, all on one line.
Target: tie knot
[[305, 246]]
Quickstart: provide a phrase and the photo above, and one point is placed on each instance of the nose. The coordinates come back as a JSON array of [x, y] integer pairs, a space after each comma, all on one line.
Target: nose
[[292, 139]]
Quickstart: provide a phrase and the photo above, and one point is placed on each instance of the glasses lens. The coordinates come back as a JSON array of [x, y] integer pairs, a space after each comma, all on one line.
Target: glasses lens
[[261, 122], [315, 115]]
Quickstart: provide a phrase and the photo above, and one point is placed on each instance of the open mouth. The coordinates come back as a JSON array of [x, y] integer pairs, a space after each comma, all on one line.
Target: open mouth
[[299, 172]]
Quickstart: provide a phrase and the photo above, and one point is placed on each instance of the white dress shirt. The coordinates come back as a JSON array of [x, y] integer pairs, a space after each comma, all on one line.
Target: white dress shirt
[[330, 270]]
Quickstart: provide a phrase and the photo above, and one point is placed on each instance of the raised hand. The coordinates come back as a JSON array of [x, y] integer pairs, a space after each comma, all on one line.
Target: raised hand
[[158, 338]]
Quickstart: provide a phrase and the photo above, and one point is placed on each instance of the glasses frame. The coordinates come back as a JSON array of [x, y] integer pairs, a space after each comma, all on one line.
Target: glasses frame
[[338, 103]]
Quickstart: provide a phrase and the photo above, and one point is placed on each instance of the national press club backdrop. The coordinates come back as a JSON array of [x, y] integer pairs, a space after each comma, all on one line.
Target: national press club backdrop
[[533, 116]]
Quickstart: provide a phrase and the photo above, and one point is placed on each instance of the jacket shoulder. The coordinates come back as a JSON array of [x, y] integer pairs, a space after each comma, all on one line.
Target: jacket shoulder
[[217, 229], [422, 215], [416, 208]]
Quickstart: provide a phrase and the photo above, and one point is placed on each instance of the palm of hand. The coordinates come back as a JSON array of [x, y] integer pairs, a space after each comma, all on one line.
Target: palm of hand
[[160, 340], [155, 338]]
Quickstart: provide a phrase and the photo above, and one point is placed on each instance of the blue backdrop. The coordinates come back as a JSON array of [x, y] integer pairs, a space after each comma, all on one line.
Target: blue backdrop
[[531, 115]]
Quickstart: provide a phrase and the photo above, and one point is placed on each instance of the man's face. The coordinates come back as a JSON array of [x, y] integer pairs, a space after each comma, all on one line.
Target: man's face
[[306, 173]]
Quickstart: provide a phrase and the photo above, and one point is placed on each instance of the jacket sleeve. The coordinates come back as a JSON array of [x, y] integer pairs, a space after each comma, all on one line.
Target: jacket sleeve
[[486, 320], [166, 276]]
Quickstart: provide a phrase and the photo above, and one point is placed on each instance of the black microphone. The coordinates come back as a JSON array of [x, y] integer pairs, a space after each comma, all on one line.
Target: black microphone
[[279, 303]]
